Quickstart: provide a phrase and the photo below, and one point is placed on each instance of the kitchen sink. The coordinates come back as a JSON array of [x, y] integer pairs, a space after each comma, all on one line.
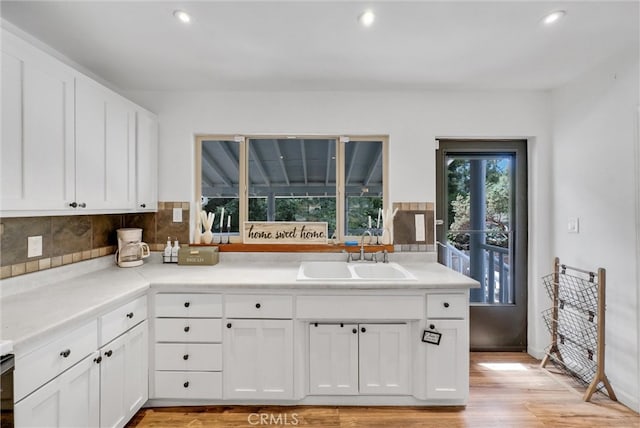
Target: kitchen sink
[[343, 271]]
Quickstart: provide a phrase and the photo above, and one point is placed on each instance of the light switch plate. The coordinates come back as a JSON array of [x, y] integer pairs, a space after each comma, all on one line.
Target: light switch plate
[[573, 225], [34, 246], [177, 215]]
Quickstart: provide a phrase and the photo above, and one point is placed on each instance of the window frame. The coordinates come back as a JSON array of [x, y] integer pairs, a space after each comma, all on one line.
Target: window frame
[[243, 167]]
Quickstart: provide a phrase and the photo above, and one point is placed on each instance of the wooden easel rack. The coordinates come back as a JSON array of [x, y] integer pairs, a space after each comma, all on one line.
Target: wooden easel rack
[[576, 322]]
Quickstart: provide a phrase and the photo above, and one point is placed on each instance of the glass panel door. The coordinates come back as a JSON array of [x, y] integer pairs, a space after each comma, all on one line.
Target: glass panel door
[[482, 220]]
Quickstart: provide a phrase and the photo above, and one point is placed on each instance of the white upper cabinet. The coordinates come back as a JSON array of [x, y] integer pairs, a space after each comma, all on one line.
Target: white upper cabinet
[[69, 144], [37, 146], [105, 148], [146, 161]]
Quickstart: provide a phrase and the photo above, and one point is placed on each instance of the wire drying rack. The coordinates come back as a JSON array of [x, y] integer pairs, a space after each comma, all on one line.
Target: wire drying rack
[[576, 323]]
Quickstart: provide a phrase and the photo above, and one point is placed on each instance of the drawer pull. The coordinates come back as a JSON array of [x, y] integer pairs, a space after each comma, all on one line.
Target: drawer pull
[[65, 353], [185, 357], [354, 331], [363, 329], [187, 304], [130, 315], [109, 353], [98, 360], [186, 384], [432, 326], [186, 329], [229, 325], [257, 305], [446, 304]]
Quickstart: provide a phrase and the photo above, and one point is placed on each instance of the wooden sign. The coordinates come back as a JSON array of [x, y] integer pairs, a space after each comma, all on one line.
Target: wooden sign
[[277, 232]]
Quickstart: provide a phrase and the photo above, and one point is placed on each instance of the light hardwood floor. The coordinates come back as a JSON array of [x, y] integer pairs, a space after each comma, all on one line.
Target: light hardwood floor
[[525, 396]]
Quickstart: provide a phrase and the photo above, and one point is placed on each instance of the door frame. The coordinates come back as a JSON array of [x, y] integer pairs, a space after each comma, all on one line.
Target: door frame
[[517, 147]]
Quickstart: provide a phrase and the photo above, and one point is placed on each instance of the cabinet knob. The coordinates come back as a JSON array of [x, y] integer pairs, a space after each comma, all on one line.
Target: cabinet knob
[[229, 325], [187, 304], [98, 360], [432, 326], [446, 304], [82, 205], [65, 353], [257, 305], [354, 331], [73, 205], [143, 205], [341, 325], [108, 353], [130, 315], [186, 384], [186, 329], [185, 357], [363, 329]]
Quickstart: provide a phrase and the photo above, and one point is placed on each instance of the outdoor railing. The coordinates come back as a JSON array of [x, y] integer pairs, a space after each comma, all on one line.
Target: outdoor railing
[[497, 286]]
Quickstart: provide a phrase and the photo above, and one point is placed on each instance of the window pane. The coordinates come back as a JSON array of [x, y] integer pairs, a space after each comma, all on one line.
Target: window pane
[[363, 185], [296, 179], [220, 178]]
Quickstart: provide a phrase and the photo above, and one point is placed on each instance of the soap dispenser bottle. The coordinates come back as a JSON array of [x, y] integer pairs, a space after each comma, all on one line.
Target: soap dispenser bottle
[[166, 256], [174, 252]]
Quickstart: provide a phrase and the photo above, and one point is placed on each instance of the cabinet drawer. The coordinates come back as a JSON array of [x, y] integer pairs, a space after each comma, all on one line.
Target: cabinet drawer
[[189, 356], [447, 305], [122, 319], [188, 330], [38, 367], [316, 308], [188, 305], [188, 385], [258, 306]]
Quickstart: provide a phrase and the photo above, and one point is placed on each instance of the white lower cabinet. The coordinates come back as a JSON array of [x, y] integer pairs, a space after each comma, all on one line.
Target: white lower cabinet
[[448, 362], [384, 356], [258, 359], [333, 359], [124, 376], [188, 348], [368, 359], [70, 400]]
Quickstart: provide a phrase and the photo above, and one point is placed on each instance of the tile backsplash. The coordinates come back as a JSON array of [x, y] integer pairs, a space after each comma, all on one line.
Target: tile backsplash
[[404, 226], [70, 239]]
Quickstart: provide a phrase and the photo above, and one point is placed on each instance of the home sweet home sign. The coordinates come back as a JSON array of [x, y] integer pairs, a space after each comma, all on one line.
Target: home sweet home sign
[[278, 232]]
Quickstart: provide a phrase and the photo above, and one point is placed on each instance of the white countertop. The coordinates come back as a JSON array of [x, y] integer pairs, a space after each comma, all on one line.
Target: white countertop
[[56, 299]]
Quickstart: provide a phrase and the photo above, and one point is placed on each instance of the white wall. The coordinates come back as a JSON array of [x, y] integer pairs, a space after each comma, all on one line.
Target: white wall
[[594, 168]]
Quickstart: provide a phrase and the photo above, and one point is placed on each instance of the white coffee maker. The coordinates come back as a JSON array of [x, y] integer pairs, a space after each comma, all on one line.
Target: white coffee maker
[[131, 249]]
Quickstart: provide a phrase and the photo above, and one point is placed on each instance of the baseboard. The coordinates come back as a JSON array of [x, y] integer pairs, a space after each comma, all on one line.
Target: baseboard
[[536, 353]]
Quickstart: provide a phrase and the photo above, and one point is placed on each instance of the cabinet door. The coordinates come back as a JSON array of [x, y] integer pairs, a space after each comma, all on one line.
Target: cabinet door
[[384, 353], [124, 376], [258, 359], [112, 383], [448, 362], [333, 359], [136, 385], [105, 135], [146, 161], [37, 146], [69, 400]]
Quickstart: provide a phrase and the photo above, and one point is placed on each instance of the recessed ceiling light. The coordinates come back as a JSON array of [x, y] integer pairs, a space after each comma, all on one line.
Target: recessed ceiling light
[[182, 16], [366, 18], [553, 17]]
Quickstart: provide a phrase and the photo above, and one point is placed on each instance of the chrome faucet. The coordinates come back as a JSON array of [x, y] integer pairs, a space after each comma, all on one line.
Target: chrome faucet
[[366, 232]]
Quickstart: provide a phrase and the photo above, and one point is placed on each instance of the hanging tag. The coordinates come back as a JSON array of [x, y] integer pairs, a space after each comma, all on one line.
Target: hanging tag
[[432, 337]]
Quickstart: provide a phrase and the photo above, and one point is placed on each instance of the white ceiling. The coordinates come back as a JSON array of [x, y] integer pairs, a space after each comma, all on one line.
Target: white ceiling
[[304, 45]]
